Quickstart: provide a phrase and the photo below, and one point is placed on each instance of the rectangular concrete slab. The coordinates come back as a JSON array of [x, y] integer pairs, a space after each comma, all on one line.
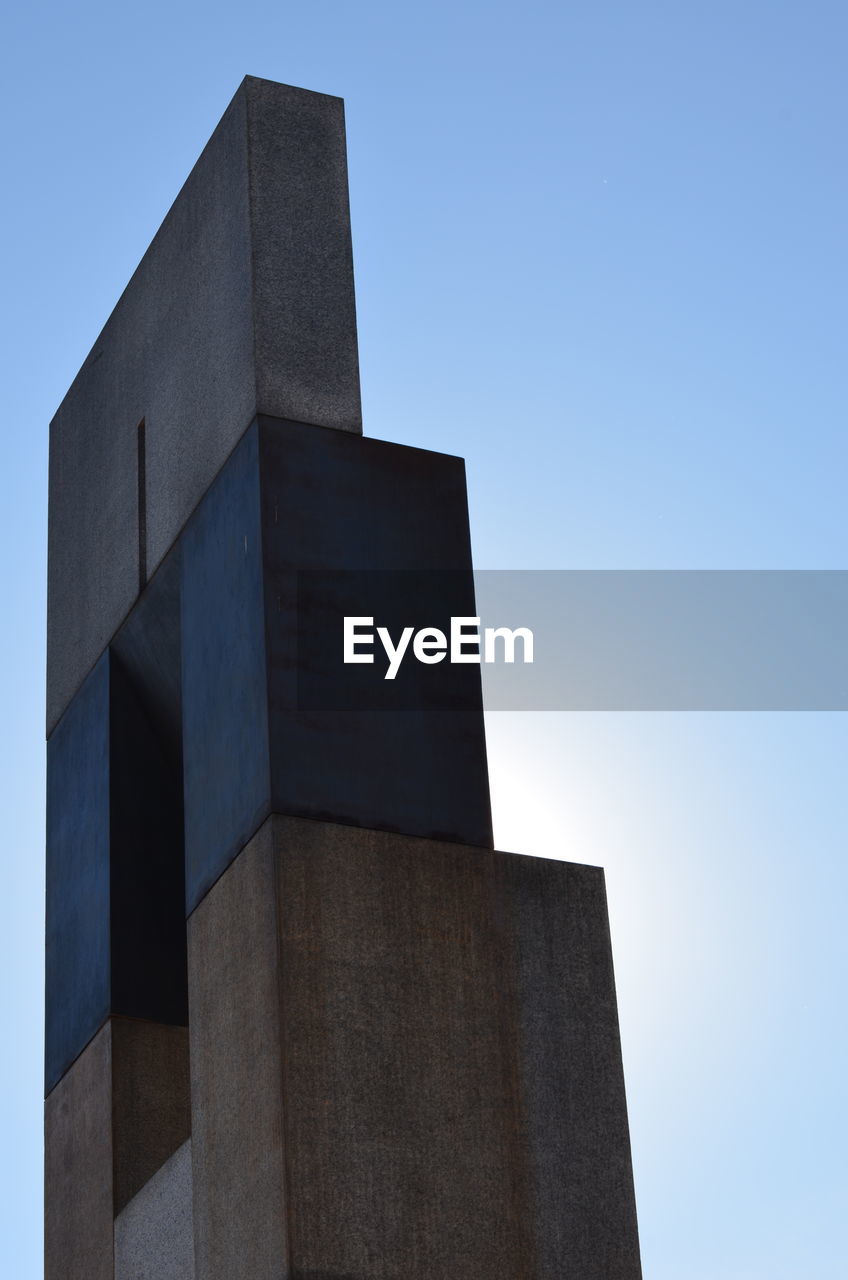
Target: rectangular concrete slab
[[111, 1122], [151, 1110], [389, 994], [243, 304], [78, 1156], [272, 561], [304, 317], [238, 1156], [154, 1238], [573, 1128]]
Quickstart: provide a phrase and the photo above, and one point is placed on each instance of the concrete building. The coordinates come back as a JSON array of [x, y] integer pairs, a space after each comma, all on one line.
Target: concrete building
[[303, 1021]]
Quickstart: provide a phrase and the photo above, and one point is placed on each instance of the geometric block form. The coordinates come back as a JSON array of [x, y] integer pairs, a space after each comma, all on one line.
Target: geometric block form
[[573, 1125], [150, 1100], [78, 1173], [242, 304], [383, 529], [153, 1233], [238, 1157], [115, 924], [361, 1104], [112, 1120]]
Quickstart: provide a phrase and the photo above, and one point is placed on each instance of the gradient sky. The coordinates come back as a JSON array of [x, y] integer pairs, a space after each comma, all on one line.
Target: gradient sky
[[600, 252]]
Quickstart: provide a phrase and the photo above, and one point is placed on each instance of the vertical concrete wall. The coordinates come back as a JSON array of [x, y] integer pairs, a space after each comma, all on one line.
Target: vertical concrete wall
[[362, 1104], [238, 1150], [243, 304], [78, 1169], [115, 1117], [154, 1235], [572, 1115]]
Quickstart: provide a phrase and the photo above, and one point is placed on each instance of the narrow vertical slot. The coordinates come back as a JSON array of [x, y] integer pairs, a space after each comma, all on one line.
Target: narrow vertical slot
[[142, 509]]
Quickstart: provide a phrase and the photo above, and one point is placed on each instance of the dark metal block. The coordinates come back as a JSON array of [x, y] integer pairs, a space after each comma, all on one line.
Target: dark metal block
[[302, 526], [115, 924], [242, 304]]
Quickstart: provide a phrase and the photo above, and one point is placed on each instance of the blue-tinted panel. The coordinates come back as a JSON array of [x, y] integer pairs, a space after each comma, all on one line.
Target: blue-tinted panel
[[225, 715], [78, 914], [360, 526]]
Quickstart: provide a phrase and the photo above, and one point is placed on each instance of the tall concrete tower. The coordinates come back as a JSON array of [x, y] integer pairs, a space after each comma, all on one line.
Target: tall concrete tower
[[303, 1021]]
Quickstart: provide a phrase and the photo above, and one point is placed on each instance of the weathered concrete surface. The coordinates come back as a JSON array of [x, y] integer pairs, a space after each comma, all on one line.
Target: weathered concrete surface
[[113, 1119], [371, 1069], [78, 1154], [296, 501], [150, 1100], [153, 1235], [573, 1128], [243, 304], [304, 317], [240, 1211]]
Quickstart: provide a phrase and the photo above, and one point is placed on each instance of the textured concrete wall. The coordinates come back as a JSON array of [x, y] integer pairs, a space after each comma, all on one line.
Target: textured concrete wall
[[78, 1178], [151, 1111], [114, 1118], [304, 318], [362, 1106], [154, 1238], [238, 1156], [242, 304], [574, 1136]]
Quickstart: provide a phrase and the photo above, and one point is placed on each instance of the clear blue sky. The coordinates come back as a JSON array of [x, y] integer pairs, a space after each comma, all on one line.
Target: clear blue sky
[[600, 252]]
